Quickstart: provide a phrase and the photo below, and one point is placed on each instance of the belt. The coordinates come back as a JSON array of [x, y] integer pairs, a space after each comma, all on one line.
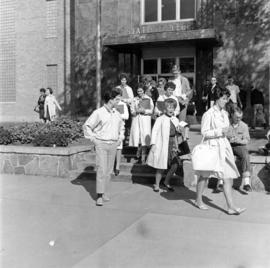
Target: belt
[[108, 141]]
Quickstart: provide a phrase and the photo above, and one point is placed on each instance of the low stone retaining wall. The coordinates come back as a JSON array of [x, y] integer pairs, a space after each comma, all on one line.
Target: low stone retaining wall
[[45, 161], [72, 161]]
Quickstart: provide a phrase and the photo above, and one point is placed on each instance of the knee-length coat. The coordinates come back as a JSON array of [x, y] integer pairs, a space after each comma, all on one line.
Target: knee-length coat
[[158, 155], [213, 121], [140, 132]]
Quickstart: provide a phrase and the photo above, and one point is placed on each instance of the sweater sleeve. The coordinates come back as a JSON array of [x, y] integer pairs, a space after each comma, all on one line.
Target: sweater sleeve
[[89, 126]]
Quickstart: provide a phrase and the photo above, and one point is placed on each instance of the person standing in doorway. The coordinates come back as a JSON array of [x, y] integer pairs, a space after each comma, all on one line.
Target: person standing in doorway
[[182, 91], [105, 128], [50, 105], [127, 92], [234, 91], [211, 92]]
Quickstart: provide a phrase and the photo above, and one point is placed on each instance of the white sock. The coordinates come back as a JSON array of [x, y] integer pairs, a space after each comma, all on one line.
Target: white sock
[[246, 180], [220, 182]]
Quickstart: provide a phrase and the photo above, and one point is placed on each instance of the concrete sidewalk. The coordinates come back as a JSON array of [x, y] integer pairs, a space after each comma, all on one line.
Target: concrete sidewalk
[[53, 222]]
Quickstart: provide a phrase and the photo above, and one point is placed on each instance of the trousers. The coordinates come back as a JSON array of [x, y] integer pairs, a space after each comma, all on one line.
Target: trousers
[[105, 156], [241, 152]]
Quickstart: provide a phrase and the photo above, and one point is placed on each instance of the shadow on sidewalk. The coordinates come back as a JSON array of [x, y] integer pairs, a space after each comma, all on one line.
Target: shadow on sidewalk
[[188, 196], [89, 185]]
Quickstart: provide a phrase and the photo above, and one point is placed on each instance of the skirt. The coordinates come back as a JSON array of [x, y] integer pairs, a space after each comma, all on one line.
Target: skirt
[[229, 172], [172, 154]]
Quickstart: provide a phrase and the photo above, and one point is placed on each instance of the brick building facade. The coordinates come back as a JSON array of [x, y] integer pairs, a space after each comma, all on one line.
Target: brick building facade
[[54, 45]]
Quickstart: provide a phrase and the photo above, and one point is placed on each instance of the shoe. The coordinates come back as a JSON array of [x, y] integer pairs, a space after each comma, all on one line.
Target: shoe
[[155, 188], [106, 198], [247, 188], [219, 188], [202, 207], [236, 211], [116, 172], [99, 201], [167, 187]]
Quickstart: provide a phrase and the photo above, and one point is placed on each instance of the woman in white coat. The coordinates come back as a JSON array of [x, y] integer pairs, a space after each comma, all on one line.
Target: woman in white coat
[[164, 146], [141, 108], [50, 105], [214, 128]]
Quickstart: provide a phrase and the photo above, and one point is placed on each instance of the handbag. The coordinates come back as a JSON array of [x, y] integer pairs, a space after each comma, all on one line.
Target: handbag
[[36, 109], [205, 157], [183, 148]]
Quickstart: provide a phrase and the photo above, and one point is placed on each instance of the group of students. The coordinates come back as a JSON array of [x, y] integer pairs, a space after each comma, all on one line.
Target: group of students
[[106, 129], [47, 105], [146, 110]]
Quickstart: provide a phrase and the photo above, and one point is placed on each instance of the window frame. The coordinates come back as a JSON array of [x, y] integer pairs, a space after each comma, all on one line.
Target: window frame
[[159, 15], [177, 61]]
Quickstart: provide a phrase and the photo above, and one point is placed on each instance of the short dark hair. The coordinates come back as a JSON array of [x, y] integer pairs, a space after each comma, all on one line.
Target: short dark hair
[[237, 110], [123, 75], [230, 77], [140, 85], [50, 89], [169, 102], [169, 85], [111, 94], [220, 92], [42, 89]]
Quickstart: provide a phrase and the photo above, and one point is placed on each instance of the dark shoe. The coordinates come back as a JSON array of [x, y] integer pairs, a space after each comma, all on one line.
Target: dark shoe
[[167, 187], [155, 188], [116, 172], [219, 188], [247, 188]]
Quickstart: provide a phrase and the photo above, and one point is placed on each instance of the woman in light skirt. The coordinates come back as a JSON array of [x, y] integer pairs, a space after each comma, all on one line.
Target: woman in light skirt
[[214, 128]]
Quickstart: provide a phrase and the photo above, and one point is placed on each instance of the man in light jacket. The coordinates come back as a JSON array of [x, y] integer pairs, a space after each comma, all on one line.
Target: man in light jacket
[[105, 128], [182, 91]]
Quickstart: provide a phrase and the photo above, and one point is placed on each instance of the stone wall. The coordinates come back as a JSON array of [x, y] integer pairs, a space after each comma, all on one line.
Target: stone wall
[[79, 162], [57, 162]]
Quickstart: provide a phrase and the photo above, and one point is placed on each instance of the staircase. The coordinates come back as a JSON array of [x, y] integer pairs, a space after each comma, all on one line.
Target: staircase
[[130, 170]]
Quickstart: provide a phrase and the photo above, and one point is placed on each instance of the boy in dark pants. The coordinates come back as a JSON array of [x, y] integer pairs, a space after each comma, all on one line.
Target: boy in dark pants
[[239, 138]]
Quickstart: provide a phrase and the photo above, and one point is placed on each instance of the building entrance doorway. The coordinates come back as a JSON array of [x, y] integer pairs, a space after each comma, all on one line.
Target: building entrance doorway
[[158, 62]]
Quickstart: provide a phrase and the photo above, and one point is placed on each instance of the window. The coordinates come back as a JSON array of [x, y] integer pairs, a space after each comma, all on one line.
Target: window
[[150, 7], [51, 18], [166, 65], [52, 77], [161, 67], [150, 66], [187, 9], [168, 10], [7, 52], [187, 65]]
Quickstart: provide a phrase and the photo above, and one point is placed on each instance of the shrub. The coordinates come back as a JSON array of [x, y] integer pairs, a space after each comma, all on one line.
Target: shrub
[[56, 138], [25, 133], [5, 136], [60, 132]]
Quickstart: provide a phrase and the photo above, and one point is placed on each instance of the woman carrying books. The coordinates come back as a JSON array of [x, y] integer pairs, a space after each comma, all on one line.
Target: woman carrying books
[[140, 134], [168, 94]]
